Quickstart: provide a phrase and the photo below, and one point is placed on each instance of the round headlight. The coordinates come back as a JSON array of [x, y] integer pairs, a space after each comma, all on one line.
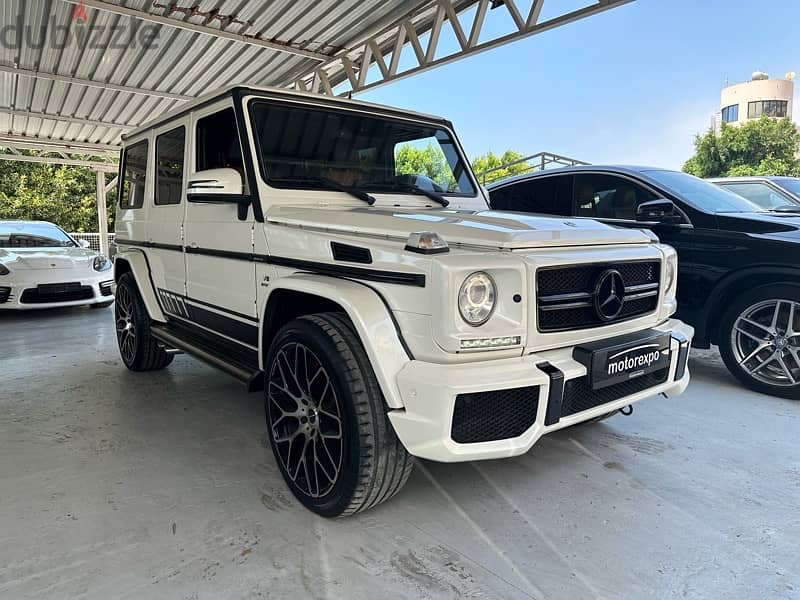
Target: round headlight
[[476, 298], [672, 269]]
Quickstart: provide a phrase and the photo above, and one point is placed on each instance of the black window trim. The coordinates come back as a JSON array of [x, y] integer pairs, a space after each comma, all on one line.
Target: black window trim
[[156, 137], [255, 99], [123, 165]]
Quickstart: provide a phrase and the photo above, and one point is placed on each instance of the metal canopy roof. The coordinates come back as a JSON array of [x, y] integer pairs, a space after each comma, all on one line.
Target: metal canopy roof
[[80, 73]]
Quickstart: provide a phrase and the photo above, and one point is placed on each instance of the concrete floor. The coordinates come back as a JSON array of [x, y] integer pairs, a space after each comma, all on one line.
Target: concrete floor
[[122, 485]]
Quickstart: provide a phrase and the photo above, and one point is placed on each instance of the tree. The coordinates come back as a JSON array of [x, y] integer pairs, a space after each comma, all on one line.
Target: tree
[[428, 161], [490, 160], [64, 195], [761, 147]]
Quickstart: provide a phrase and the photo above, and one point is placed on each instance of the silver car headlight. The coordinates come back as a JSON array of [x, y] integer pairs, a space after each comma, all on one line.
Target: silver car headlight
[[101, 263], [476, 298]]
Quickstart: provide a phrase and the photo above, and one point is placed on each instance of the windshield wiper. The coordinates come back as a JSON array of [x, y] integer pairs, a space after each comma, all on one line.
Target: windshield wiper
[[429, 193], [787, 208], [356, 193]]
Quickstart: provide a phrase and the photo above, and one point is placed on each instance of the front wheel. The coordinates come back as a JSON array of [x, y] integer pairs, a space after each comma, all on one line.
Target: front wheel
[[326, 419], [760, 340]]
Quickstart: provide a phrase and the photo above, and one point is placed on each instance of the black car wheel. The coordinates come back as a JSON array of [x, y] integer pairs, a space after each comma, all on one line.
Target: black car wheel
[[139, 350], [326, 419], [760, 340]]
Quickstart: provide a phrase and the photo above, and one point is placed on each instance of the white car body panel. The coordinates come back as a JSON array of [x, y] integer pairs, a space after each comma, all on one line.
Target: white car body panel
[[31, 267]]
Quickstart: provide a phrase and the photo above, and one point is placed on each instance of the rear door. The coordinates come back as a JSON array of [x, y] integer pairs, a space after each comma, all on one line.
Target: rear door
[[165, 231]]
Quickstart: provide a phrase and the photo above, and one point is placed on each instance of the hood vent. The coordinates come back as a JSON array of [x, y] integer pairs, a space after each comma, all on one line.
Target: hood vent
[[352, 254]]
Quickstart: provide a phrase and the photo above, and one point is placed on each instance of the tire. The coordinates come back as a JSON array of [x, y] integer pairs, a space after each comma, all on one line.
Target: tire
[[102, 304], [139, 350], [323, 406], [768, 318]]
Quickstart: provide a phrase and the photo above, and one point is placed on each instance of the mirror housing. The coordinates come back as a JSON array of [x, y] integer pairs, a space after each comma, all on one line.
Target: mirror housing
[[658, 211], [84, 243], [219, 186]]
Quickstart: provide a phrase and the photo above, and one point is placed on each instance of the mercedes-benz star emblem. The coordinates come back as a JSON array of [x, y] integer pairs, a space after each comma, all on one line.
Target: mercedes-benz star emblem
[[609, 295]]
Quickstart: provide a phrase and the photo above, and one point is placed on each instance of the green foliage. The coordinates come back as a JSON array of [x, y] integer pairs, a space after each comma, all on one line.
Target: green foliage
[[429, 161], [759, 147], [490, 160], [64, 195]]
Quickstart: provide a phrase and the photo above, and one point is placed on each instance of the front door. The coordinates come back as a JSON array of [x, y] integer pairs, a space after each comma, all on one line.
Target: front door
[[220, 275]]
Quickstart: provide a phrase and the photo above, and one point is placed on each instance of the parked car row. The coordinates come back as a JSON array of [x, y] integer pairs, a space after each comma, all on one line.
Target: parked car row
[[739, 260]]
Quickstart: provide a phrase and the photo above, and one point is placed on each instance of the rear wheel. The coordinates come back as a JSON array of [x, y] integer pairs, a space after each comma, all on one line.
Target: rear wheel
[[139, 350], [760, 340], [326, 419]]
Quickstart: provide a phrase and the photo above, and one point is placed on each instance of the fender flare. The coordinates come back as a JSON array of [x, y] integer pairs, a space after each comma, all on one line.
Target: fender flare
[[138, 265], [732, 279], [369, 314]]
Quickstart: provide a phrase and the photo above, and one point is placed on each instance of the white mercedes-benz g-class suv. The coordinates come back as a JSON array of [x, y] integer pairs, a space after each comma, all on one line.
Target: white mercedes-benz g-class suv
[[341, 256]]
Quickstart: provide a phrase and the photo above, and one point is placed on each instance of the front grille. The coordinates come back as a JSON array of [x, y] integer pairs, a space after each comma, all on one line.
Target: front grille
[[5, 294], [56, 292], [565, 295], [105, 288], [579, 396], [494, 415]]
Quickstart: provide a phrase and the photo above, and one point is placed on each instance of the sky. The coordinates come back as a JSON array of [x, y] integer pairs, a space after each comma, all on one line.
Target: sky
[[631, 85]]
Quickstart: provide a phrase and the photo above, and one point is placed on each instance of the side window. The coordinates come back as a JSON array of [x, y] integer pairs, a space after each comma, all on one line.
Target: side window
[[134, 176], [169, 166], [759, 193], [218, 142], [608, 197], [544, 196]]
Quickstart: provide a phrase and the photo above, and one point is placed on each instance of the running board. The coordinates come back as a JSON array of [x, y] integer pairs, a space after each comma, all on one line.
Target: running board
[[235, 360]]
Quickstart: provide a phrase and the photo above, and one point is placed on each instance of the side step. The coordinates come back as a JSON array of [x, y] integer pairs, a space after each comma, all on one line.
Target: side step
[[227, 356]]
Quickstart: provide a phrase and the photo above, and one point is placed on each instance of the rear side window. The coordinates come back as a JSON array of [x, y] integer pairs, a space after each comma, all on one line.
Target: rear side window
[[169, 166], [608, 197], [134, 176], [547, 195], [218, 142]]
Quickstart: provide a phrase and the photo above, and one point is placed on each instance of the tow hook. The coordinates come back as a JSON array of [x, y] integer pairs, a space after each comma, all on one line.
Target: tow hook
[[626, 410]]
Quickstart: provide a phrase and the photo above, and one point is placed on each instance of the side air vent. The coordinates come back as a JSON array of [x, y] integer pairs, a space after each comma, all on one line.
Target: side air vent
[[353, 254]]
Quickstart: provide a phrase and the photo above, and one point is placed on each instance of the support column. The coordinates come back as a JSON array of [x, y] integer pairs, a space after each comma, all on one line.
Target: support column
[[102, 217]]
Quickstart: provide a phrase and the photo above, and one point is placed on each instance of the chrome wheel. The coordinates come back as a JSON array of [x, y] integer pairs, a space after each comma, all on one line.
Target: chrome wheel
[[766, 342], [305, 420], [126, 329]]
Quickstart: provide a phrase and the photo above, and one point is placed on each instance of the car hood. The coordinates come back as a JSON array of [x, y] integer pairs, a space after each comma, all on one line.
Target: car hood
[[46, 258], [486, 229]]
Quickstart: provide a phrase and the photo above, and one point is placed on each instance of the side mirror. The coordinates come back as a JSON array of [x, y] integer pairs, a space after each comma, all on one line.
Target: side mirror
[[659, 211], [84, 243], [218, 186]]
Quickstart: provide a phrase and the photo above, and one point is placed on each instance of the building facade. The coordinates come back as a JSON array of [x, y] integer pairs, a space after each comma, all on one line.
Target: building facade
[[742, 102]]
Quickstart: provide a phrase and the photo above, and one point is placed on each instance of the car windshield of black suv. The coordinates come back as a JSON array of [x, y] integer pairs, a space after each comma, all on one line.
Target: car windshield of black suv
[[308, 148], [33, 235], [702, 195]]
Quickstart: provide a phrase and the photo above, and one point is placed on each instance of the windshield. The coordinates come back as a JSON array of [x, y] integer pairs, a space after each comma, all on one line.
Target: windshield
[[33, 235], [702, 195], [790, 183], [311, 148], [759, 193]]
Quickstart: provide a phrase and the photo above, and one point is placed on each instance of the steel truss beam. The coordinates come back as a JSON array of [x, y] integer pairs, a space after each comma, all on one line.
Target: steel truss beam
[[53, 145], [379, 55], [252, 40], [128, 89], [56, 160], [14, 112]]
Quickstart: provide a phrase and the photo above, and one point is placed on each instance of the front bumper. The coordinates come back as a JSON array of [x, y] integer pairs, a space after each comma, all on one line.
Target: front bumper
[[25, 293], [429, 392]]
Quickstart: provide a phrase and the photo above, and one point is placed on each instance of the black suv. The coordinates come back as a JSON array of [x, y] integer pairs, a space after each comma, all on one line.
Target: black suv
[[739, 265]]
